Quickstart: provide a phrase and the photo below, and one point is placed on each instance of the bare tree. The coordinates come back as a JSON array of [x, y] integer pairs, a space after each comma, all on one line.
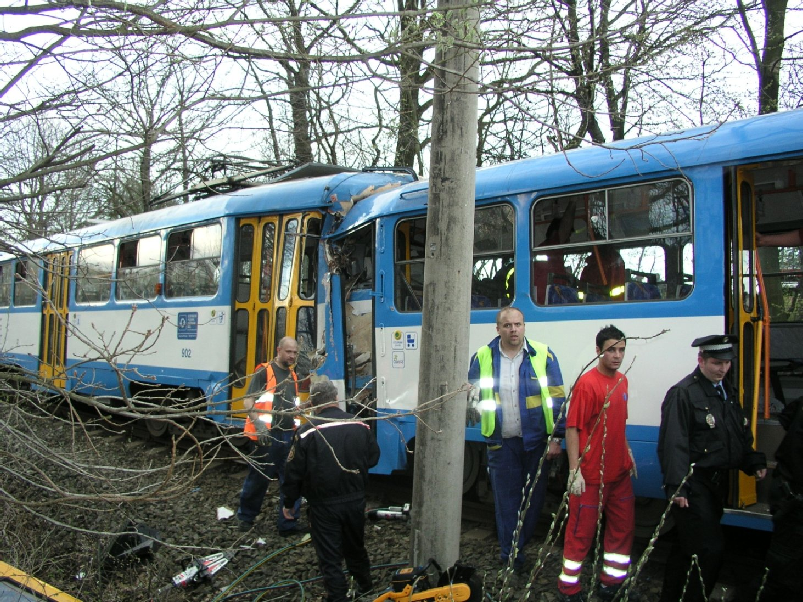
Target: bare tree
[[766, 50]]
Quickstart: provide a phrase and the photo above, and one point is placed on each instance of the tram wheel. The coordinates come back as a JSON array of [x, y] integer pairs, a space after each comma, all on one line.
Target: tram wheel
[[156, 428], [472, 459]]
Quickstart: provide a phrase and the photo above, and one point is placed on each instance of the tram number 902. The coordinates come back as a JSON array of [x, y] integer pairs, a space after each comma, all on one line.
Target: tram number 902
[[186, 352]]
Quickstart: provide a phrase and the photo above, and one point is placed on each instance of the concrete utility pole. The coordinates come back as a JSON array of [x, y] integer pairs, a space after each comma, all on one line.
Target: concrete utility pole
[[440, 434]]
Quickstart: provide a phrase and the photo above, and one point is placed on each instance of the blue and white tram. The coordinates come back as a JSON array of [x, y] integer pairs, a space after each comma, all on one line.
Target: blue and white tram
[[176, 305], [660, 241], [655, 235]]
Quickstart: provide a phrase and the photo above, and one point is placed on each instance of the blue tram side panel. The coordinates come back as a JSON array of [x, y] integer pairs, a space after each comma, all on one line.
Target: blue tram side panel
[[133, 319], [670, 205]]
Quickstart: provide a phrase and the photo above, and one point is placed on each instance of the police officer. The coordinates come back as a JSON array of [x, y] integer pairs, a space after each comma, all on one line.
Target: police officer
[[785, 554], [702, 424], [328, 464]]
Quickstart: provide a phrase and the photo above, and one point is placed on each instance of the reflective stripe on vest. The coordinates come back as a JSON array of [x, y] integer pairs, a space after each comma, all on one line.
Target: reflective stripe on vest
[[264, 402], [489, 400]]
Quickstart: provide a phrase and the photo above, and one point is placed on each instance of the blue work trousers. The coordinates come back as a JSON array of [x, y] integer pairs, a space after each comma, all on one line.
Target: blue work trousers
[[267, 463], [510, 466]]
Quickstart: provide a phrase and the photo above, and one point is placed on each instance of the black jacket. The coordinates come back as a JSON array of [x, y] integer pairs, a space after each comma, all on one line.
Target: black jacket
[[329, 460], [698, 427], [790, 451]]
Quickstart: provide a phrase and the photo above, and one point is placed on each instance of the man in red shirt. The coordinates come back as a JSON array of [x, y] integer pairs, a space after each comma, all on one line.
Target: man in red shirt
[[600, 466]]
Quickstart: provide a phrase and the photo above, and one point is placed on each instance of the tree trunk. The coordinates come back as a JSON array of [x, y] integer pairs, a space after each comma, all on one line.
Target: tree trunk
[[769, 74]]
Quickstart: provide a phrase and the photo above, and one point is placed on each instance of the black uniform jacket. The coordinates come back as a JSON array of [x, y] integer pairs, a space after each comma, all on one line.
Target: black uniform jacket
[[790, 451], [329, 460], [698, 427]]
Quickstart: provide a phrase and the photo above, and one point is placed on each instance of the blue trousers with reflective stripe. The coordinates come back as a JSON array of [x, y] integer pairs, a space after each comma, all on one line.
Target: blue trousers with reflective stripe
[[509, 467]]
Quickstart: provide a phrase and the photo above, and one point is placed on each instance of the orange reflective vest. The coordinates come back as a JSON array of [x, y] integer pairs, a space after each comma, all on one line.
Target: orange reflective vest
[[264, 402]]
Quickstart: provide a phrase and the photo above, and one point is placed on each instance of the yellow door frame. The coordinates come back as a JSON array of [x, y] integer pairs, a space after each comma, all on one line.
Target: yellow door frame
[[55, 316], [283, 270], [746, 318]]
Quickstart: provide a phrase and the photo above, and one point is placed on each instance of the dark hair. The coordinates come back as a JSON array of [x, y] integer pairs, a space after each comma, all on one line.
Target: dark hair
[[321, 392], [607, 333]]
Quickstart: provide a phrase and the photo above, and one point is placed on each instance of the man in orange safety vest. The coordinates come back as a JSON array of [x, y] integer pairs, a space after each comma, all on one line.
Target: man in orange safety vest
[[269, 403]]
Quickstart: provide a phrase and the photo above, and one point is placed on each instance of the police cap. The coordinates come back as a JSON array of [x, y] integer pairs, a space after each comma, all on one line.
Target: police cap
[[719, 346]]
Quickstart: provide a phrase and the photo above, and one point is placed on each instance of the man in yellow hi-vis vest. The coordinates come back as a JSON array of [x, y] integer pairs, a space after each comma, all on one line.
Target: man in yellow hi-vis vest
[[521, 395]]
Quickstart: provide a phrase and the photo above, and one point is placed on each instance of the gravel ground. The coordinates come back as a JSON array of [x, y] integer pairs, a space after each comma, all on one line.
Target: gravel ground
[[188, 527]]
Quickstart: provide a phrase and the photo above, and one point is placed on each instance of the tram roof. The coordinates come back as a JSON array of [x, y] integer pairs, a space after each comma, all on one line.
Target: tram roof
[[322, 192], [761, 138]]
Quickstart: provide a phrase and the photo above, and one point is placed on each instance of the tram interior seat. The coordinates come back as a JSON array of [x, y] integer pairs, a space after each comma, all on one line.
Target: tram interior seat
[[684, 290], [478, 301], [641, 286], [561, 288], [596, 293], [487, 292]]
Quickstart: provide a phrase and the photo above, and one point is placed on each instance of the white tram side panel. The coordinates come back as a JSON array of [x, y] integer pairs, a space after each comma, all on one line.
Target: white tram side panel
[[20, 333], [653, 365], [182, 346]]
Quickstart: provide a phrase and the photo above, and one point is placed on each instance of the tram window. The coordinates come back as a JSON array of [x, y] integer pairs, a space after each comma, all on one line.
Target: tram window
[[281, 327], [5, 285], [263, 348], [26, 283], [93, 271], [193, 262], [748, 270], [630, 243], [492, 283], [309, 259], [783, 282], [266, 262], [288, 254], [354, 257], [245, 260], [241, 318], [492, 275], [409, 265], [305, 335], [138, 268]]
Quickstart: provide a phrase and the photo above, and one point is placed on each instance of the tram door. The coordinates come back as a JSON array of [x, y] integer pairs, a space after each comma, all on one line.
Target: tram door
[[275, 282], [744, 318], [53, 347]]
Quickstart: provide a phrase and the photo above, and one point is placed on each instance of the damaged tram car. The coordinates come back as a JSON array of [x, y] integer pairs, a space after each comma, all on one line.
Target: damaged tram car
[[186, 301]]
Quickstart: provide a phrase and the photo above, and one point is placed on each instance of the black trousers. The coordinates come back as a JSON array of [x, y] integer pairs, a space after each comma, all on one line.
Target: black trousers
[[698, 533], [338, 534], [785, 554]]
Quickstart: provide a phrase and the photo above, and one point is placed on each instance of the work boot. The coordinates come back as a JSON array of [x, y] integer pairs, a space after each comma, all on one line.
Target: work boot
[[244, 525], [609, 593], [299, 529], [359, 593]]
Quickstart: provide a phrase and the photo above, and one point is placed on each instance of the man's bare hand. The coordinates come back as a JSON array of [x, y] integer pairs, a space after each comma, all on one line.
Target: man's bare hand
[[554, 449]]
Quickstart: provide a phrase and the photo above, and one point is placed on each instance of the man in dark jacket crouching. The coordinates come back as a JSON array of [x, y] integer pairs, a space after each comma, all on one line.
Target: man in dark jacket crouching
[[328, 465]]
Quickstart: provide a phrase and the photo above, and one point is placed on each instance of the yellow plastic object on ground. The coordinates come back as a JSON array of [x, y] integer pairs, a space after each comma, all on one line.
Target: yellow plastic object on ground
[[27, 588]]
